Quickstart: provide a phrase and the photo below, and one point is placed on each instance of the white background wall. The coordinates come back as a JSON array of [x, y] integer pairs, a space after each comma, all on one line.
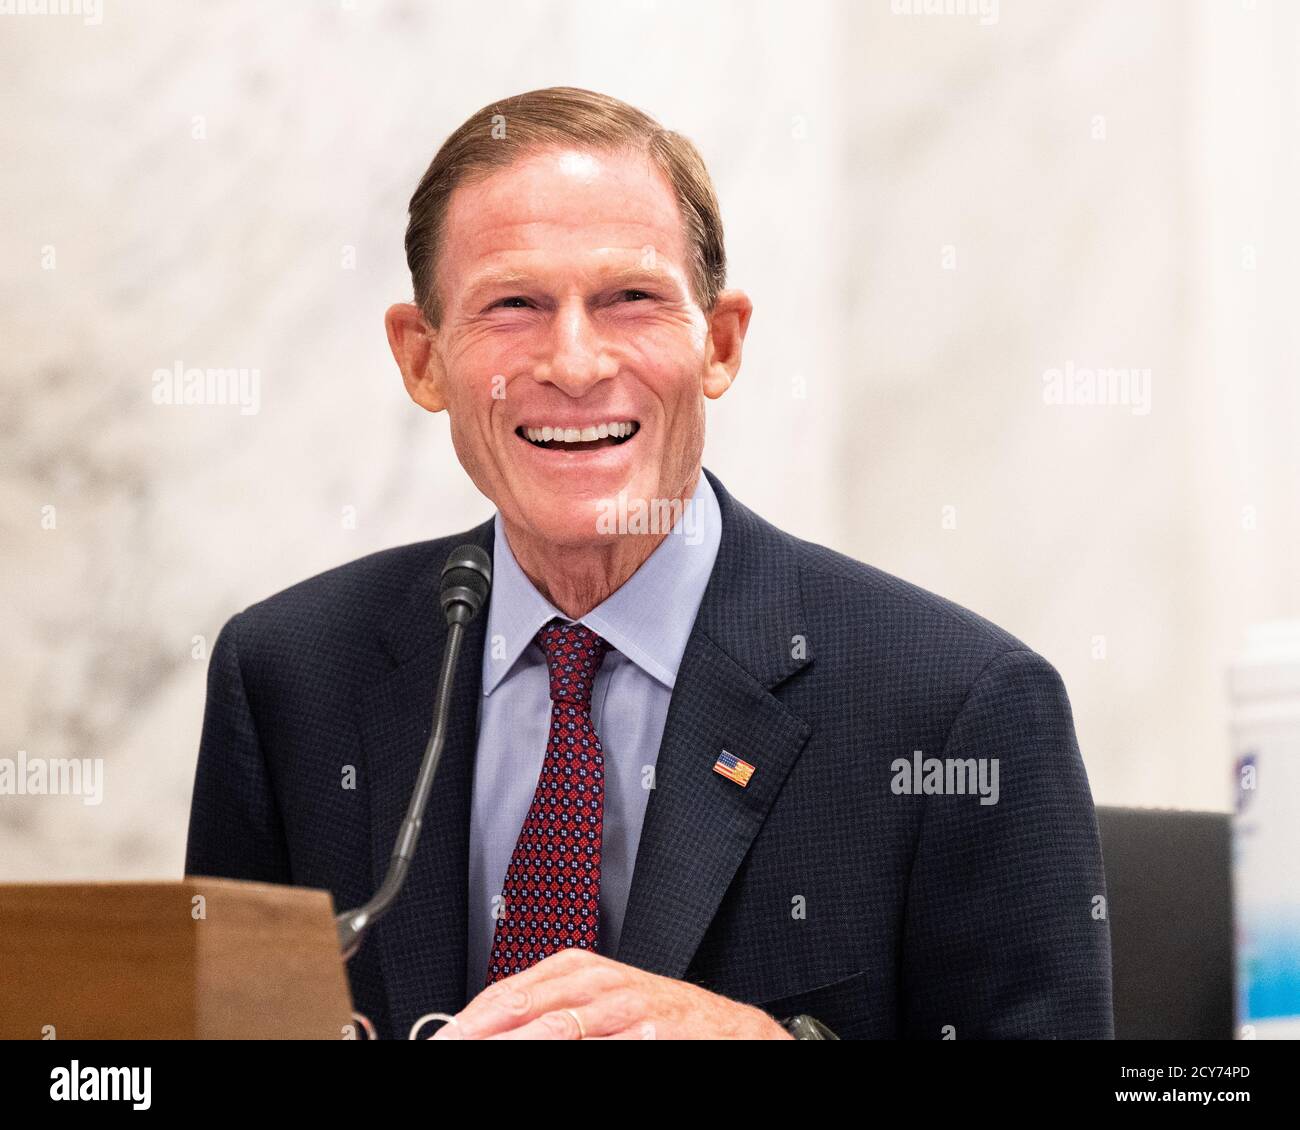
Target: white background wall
[[1116, 183]]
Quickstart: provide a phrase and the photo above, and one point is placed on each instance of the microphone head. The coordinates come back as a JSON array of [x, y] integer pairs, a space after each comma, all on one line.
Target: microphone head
[[466, 581]]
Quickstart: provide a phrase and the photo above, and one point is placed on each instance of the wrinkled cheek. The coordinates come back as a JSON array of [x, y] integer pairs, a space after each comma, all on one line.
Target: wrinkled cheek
[[686, 438], [473, 449]]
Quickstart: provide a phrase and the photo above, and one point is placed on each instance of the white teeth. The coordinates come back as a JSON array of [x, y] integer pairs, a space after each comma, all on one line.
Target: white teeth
[[615, 428]]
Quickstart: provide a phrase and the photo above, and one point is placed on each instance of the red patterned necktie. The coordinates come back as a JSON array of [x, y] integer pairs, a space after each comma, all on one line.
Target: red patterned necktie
[[552, 888]]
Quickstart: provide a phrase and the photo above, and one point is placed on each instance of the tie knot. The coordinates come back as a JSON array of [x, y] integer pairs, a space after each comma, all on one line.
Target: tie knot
[[574, 654]]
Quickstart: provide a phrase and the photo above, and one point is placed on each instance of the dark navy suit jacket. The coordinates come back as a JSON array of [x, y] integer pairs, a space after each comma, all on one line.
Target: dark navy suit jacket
[[819, 888]]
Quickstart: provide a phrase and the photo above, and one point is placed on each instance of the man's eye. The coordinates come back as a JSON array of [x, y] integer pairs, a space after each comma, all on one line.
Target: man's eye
[[509, 302], [632, 295]]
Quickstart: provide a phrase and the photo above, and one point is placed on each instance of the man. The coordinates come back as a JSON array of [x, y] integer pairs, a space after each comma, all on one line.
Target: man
[[701, 778]]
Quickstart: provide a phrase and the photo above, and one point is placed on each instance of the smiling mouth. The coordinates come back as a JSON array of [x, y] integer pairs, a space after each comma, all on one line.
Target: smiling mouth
[[592, 437]]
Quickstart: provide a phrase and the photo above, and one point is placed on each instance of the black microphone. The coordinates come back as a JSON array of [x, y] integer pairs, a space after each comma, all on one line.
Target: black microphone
[[466, 581]]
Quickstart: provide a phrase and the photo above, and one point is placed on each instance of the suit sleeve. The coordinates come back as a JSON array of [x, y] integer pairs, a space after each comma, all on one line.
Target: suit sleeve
[[235, 829], [1006, 934]]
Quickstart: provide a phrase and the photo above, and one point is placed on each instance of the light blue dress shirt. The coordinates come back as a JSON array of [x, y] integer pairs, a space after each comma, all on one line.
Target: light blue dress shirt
[[647, 623]]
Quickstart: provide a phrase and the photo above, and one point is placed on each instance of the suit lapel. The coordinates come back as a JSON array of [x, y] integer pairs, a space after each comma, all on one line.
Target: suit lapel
[[748, 637], [422, 940]]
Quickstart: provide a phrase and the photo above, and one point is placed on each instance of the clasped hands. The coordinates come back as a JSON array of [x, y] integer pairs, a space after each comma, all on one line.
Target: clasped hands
[[576, 994]]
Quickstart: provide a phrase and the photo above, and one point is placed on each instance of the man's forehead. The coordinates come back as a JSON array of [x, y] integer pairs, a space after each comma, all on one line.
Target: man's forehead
[[598, 208]]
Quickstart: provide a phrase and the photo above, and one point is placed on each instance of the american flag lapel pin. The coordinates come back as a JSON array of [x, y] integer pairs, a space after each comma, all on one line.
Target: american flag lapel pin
[[731, 767]]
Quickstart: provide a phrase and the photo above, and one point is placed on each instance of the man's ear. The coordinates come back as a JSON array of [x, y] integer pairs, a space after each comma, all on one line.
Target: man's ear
[[412, 343], [728, 322]]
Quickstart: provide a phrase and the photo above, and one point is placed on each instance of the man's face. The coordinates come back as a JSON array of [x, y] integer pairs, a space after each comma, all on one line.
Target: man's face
[[568, 314]]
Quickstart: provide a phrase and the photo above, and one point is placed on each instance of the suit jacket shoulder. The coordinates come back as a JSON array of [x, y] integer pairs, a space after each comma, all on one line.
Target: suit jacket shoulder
[[879, 635], [337, 621]]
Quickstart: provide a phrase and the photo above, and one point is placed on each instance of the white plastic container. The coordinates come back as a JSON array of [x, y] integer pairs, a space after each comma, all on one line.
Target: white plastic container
[[1265, 688]]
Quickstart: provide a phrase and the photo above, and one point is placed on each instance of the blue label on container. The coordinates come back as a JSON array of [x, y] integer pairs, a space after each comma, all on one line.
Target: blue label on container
[[1270, 966]]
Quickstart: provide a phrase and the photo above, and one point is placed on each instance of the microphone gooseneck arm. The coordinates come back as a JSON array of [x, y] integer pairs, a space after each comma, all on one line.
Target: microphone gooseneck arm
[[353, 924], [466, 582]]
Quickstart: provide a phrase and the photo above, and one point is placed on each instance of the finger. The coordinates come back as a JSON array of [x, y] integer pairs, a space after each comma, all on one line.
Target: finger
[[551, 1026], [560, 964], [644, 1030], [608, 1014], [514, 1002], [556, 965]]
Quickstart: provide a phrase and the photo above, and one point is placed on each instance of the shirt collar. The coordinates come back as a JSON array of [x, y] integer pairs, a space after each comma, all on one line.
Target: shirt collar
[[648, 619]]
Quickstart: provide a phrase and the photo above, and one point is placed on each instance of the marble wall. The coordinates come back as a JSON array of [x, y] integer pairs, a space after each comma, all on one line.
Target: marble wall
[[931, 212]]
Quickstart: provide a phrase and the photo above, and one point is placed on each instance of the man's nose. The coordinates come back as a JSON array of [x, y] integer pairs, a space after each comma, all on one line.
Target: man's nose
[[577, 356]]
